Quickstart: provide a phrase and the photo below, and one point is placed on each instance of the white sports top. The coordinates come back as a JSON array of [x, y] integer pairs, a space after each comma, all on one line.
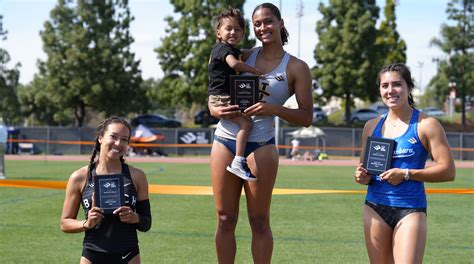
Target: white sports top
[[275, 91]]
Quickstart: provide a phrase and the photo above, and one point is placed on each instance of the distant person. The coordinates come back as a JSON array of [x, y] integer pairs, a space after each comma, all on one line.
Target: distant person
[[225, 60], [3, 148], [285, 76], [395, 219], [109, 238], [308, 156], [295, 149]]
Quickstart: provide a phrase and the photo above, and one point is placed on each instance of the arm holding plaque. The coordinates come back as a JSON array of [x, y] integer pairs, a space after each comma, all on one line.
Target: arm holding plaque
[[142, 216], [72, 201], [361, 175], [299, 82], [224, 112]]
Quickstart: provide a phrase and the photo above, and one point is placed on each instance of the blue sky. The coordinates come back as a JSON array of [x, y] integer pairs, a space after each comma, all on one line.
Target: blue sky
[[418, 21]]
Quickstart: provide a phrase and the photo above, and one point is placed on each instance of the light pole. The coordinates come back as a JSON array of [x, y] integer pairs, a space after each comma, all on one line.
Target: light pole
[[299, 14], [420, 65]]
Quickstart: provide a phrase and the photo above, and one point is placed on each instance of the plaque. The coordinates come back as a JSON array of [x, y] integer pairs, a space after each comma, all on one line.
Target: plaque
[[109, 192], [378, 155], [244, 90]]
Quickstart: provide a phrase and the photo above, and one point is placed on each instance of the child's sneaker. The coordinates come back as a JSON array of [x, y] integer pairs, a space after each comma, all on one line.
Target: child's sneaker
[[242, 171]]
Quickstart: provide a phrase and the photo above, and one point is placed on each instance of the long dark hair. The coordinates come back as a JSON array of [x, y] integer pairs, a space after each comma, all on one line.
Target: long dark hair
[[276, 12], [404, 71], [100, 130]]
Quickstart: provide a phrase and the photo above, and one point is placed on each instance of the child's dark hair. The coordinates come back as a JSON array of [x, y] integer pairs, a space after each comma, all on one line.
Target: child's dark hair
[[100, 130], [276, 12], [230, 12], [404, 71]]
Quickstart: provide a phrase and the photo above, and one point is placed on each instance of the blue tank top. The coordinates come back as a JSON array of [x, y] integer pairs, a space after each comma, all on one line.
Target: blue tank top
[[408, 153], [274, 90]]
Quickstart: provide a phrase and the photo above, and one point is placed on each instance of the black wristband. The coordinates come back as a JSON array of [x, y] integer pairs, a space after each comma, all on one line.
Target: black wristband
[[144, 215]]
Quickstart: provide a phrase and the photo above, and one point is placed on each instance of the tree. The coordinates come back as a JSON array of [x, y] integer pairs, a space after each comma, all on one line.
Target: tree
[[89, 63], [35, 103], [457, 41], [8, 84], [345, 53], [185, 51], [8, 90], [391, 48], [438, 88]]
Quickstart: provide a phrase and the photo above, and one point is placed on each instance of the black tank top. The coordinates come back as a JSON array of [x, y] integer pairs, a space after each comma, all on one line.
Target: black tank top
[[111, 235]]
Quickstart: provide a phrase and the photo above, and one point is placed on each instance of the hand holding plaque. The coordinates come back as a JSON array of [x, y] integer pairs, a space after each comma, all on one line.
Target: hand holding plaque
[[378, 155], [244, 90], [109, 192]]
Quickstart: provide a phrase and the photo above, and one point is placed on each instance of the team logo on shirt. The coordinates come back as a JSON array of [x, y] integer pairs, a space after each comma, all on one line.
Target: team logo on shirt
[[403, 153], [263, 90], [412, 140], [279, 78]]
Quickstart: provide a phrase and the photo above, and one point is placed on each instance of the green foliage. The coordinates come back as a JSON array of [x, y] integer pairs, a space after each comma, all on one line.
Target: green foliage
[[184, 52], [351, 50], [457, 41], [345, 53], [390, 47], [150, 86], [89, 63], [35, 103], [438, 88], [8, 90]]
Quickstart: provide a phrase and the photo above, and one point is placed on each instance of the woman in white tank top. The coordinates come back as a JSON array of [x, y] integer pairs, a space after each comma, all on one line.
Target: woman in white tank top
[[263, 161]]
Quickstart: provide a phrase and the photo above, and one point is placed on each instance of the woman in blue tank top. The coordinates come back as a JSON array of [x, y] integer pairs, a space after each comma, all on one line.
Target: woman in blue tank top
[[284, 75], [395, 220], [109, 238]]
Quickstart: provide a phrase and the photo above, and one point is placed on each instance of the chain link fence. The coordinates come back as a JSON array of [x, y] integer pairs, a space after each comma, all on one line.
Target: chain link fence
[[197, 141]]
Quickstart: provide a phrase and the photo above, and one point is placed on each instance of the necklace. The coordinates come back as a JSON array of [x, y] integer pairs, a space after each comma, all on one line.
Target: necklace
[[396, 122]]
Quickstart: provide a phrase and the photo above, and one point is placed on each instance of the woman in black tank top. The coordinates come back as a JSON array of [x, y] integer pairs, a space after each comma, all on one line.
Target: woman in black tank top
[[109, 238]]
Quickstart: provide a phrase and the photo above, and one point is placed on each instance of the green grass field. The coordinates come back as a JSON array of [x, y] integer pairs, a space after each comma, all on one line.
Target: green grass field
[[314, 228]]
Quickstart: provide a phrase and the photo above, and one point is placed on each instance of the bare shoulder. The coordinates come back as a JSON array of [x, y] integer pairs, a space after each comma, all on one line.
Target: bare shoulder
[[137, 174], [246, 53], [298, 72], [140, 182], [371, 124], [428, 125], [296, 65], [78, 177]]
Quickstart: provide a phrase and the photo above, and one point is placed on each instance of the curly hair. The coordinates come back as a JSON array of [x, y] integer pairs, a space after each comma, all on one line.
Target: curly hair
[[230, 12]]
